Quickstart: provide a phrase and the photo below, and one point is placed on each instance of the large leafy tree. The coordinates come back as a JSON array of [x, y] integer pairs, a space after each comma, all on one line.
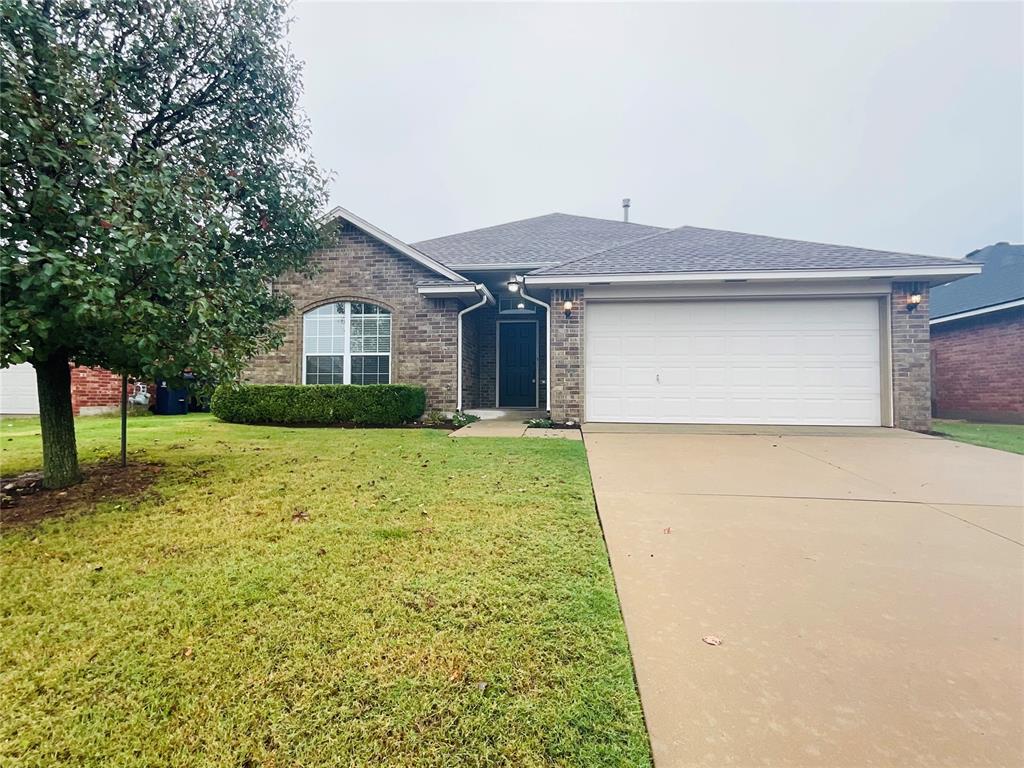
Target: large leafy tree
[[154, 179]]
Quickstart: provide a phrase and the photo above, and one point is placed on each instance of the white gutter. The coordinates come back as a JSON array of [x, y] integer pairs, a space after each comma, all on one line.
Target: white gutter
[[510, 267], [547, 356], [487, 299], [976, 312], [779, 274], [446, 290]]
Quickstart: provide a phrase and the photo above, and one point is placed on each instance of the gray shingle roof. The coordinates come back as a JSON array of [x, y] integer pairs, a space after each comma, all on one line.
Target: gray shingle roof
[[694, 249], [1002, 280], [550, 239]]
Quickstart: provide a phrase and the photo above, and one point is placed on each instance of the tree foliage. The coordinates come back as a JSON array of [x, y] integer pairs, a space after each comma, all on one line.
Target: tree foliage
[[154, 179]]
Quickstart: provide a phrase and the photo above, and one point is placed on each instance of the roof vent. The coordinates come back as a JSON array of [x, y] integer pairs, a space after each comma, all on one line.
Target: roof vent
[[625, 209]]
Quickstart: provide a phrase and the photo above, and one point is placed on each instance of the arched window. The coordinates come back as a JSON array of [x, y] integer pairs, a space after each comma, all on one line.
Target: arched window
[[348, 342]]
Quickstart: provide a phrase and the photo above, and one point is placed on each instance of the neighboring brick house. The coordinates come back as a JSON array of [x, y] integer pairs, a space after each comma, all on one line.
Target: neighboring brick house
[[643, 324], [93, 390], [977, 329]]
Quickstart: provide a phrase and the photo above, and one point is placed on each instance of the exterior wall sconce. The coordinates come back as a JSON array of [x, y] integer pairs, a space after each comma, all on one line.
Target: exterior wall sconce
[[913, 302], [521, 305], [567, 308], [513, 286]]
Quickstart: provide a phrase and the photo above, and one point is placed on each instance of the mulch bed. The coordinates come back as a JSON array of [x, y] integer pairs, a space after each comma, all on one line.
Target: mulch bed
[[24, 500]]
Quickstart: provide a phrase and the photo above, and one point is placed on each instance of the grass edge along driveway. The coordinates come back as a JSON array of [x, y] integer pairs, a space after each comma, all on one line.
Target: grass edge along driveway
[[316, 597], [1004, 437]]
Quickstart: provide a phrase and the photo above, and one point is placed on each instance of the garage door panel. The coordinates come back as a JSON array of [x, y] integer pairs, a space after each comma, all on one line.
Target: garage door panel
[[794, 361]]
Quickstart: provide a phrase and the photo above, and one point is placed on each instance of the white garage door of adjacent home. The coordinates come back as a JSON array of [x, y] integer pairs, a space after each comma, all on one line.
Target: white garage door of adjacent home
[[799, 361], [18, 389]]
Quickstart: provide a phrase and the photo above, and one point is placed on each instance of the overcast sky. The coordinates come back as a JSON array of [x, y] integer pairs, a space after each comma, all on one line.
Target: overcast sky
[[894, 126]]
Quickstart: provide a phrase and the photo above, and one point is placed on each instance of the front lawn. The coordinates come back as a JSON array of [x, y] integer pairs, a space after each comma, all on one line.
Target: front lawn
[[305, 597], [1005, 437]]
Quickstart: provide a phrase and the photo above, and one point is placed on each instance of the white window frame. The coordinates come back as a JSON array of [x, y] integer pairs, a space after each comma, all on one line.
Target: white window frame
[[346, 353]]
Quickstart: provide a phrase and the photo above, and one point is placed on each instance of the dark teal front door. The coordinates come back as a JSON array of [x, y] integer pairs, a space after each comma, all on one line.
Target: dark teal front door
[[517, 364]]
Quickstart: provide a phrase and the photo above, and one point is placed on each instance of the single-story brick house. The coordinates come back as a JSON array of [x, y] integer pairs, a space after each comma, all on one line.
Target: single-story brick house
[[609, 321], [977, 329]]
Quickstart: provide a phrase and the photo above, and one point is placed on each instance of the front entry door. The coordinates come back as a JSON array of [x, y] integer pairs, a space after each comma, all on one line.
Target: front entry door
[[517, 364]]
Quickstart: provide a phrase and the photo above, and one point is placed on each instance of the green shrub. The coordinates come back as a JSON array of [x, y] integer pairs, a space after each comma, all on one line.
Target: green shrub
[[372, 404]]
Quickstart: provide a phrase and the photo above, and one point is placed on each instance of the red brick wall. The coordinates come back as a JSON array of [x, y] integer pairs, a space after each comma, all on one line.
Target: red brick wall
[[95, 390], [978, 367]]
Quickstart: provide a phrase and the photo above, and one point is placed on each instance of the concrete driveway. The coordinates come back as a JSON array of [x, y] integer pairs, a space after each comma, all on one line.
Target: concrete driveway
[[867, 587]]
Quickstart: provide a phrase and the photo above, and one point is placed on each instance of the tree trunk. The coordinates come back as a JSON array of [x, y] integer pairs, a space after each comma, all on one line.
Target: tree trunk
[[60, 455]]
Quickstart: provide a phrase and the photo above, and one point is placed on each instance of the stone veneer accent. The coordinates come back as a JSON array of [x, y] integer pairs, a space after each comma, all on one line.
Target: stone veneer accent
[[357, 267], [911, 359], [567, 355]]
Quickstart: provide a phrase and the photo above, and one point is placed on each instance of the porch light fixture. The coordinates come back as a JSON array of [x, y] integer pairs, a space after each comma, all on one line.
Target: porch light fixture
[[521, 305], [513, 286], [567, 307], [913, 302]]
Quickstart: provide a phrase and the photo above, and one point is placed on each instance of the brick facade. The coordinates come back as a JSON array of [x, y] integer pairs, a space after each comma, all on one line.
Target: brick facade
[[485, 320], [357, 267], [911, 364], [94, 390], [567, 355], [978, 367]]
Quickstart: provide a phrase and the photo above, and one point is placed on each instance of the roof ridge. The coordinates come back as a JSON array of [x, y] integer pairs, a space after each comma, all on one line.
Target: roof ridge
[[491, 226], [818, 242], [610, 221], [635, 240], [533, 218]]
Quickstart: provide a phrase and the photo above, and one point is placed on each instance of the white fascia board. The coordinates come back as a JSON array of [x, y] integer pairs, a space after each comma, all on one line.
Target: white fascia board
[[916, 273], [403, 248], [976, 312]]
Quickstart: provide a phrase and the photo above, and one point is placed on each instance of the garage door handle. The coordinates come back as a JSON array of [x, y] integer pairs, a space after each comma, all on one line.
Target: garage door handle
[[657, 377]]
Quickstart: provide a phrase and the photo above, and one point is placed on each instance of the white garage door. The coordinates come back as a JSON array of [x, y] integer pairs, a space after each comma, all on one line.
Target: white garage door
[[800, 361], [18, 389]]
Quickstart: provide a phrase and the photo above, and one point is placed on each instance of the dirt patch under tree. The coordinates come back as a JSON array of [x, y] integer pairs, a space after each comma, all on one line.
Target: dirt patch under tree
[[24, 500]]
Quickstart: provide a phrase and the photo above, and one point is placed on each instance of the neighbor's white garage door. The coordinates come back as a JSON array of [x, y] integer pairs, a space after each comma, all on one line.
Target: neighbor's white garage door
[[18, 389], [799, 361]]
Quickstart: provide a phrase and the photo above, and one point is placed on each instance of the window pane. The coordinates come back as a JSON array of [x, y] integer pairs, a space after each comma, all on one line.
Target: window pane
[[362, 308], [324, 330], [371, 369], [324, 369], [370, 328]]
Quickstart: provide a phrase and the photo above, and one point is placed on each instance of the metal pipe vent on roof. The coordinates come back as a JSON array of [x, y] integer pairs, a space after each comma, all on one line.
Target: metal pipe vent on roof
[[625, 209]]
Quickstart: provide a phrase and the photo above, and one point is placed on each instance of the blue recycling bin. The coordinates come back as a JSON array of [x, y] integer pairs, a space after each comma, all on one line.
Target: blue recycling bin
[[171, 401]]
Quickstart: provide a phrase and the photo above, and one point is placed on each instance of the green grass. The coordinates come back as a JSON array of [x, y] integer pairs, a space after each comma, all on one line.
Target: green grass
[[1005, 437], [448, 602]]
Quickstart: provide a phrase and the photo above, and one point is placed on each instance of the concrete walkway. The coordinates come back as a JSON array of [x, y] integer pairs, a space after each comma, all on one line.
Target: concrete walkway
[[867, 589], [511, 423]]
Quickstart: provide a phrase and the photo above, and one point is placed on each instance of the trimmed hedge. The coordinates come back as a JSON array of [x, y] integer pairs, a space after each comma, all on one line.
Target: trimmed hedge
[[371, 404]]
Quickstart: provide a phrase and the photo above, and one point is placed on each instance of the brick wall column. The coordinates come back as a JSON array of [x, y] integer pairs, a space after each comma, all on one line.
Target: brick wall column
[[567, 355], [911, 359]]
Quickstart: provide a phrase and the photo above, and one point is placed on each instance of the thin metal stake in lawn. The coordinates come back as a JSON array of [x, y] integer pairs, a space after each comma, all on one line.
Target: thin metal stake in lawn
[[124, 420]]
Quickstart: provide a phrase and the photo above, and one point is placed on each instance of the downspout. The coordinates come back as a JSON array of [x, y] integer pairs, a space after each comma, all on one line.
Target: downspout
[[547, 343], [487, 299]]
